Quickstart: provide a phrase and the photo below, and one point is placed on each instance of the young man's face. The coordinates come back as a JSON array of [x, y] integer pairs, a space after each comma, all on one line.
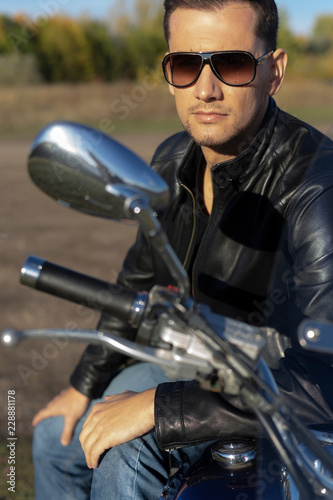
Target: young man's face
[[218, 116]]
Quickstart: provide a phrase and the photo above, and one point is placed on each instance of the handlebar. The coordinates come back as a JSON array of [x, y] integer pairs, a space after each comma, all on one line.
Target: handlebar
[[123, 303]]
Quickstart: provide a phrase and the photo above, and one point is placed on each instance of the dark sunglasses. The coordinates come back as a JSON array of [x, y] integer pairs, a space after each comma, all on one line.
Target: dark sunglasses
[[235, 68]]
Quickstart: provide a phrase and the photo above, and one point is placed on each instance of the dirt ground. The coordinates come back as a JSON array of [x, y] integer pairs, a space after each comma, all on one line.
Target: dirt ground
[[33, 224]]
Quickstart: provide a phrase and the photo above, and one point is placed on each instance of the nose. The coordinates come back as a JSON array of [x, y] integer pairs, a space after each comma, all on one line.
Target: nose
[[208, 87]]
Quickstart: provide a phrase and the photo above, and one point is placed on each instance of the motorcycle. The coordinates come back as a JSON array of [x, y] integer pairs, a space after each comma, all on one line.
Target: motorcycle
[[86, 170]]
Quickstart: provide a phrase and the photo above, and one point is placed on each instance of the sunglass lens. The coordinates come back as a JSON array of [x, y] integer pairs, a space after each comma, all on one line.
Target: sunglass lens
[[182, 69], [234, 68]]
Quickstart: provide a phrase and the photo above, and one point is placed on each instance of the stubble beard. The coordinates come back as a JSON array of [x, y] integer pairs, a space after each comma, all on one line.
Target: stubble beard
[[226, 142], [229, 142]]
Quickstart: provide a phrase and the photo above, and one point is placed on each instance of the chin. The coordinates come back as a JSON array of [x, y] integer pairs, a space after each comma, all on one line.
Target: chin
[[209, 143], [209, 137], [225, 140], [208, 140]]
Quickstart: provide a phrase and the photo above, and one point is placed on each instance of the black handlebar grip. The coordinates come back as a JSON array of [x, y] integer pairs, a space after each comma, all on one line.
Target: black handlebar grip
[[94, 293]]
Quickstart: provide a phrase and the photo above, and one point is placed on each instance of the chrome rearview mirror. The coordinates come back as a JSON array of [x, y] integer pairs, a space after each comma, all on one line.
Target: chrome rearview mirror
[[87, 170]]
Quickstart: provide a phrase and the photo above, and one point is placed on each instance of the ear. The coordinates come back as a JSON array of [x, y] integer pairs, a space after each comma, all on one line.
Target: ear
[[277, 71], [171, 88]]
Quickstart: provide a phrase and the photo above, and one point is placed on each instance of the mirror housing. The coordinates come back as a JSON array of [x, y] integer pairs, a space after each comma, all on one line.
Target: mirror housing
[[87, 170]]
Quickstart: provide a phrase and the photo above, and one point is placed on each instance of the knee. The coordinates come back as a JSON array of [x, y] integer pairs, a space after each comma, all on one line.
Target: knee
[[120, 460], [46, 437], [114, 474], [134, 469]]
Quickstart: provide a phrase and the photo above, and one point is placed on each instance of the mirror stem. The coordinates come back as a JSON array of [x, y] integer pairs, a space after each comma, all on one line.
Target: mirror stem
[[139, 208]]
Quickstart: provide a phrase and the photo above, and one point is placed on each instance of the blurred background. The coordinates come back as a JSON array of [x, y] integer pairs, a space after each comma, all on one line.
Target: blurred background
[[53, 64], [99, 65]]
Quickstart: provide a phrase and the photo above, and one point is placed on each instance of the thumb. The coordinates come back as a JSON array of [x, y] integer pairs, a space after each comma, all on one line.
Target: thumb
[[67, 433]]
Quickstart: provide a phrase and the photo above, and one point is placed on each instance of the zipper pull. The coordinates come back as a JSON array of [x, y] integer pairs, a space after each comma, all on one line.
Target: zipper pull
[[172, 470]]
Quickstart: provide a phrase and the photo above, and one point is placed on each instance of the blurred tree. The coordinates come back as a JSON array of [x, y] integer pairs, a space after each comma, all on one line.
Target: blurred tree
[[130, 45], [316, 62], [15, 34], [324, 67], [63, 51], [105, 50], [287, 40], [322, 36], [142, 37], [5, 46]]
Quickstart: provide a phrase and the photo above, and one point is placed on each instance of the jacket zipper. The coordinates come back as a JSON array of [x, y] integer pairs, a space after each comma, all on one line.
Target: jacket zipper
[[193, 232]]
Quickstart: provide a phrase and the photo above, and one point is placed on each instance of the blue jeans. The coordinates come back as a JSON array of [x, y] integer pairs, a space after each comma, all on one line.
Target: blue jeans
[[137, 470]]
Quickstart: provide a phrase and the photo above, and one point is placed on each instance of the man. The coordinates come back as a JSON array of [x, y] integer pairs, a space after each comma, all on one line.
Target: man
[[250, 186]]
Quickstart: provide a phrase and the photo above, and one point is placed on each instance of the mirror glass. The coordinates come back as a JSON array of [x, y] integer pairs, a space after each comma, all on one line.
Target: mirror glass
[[85, 169]]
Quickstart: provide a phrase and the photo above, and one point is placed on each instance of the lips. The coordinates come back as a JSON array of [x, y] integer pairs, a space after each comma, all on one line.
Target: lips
[[208, 116]]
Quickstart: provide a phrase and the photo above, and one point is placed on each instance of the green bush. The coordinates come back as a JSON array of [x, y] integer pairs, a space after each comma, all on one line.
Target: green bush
[[63, 51]]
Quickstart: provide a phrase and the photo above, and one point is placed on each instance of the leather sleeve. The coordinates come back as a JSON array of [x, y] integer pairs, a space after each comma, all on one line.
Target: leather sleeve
[[310, 240], [186, 415], [98, 364]]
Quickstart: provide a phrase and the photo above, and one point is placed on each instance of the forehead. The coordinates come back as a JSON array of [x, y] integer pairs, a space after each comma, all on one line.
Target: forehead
[[232, 27]]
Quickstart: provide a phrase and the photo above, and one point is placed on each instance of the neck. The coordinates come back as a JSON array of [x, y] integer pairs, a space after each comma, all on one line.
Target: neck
[[214, 156]]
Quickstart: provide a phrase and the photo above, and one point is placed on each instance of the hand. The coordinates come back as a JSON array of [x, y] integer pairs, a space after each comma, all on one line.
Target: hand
[[71, 404], [120, 418]]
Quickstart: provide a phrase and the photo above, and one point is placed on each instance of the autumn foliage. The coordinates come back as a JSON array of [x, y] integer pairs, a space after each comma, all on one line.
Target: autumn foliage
[[52, 47]]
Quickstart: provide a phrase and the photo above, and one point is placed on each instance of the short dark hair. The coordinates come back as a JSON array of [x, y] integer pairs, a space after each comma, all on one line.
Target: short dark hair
[[268, 17]]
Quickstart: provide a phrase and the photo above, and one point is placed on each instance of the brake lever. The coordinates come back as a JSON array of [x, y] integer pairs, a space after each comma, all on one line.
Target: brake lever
[[176, 364]]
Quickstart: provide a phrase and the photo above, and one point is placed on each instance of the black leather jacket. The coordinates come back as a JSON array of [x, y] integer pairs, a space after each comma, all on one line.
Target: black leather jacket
[[266, 257]]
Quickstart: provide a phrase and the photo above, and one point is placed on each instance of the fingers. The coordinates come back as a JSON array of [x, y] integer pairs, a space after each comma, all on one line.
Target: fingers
[[119, 419], [93, 411], [43, 414], [93, 450], [38, 418], [69, 403], [51, 411], [97, 434], [67, 433], [92, 440]]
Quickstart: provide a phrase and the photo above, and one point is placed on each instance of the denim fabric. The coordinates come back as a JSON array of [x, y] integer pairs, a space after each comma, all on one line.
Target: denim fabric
[[135, 470]]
